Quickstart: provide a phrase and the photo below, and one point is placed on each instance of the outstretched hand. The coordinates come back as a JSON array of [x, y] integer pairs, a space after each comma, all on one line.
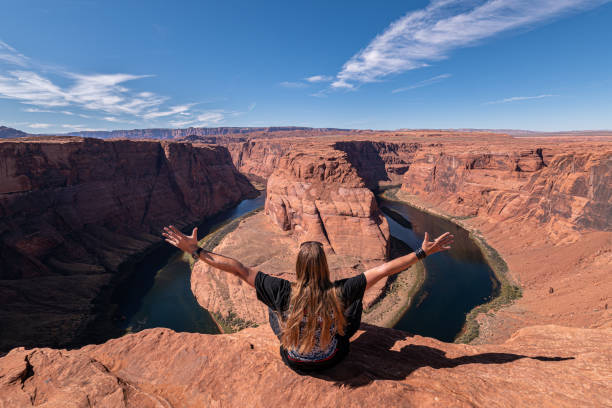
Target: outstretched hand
[[442, 243], [187, 243]]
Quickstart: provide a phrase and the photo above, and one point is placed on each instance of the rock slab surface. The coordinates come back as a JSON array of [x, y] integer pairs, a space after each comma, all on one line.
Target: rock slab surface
[[550, 366]]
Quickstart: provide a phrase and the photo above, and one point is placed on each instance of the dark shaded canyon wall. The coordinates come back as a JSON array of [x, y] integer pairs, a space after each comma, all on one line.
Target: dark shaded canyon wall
[[72, 210], [379, 162]]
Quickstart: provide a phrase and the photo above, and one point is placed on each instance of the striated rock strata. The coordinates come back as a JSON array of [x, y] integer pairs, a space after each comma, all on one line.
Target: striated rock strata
[[545, 205], [570, 192], [538, 366], [319, 195], [315, 193], [72, 210]]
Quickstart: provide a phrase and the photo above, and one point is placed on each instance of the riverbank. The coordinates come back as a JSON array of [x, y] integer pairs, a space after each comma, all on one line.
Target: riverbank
[[135, 277], [231, 322], [505, 290], [397, 297]]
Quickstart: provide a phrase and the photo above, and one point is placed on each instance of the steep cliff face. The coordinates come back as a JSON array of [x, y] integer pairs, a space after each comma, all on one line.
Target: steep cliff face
[[545, 209], [379, 162], [314, 193], [319, 195], [573, 188], [259, 158], [539, 366], [375, 161], [568, 191], [72, 210]]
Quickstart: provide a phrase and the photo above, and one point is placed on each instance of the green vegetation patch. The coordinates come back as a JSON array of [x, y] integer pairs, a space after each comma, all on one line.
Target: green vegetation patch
[[232, 323], [505, 291]]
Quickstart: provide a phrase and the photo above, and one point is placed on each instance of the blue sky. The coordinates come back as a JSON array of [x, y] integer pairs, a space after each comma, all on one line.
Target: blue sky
[[521, 64]]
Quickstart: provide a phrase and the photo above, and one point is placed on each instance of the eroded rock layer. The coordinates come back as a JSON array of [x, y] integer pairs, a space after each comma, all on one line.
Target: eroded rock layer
[[319, 195], [528, 197], [571, 190], [72, 210], [314, 193], [539, 366], [545, 205]]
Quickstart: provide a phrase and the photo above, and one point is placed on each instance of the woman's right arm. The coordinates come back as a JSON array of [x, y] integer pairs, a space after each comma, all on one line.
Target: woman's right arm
[[442, 243], [189, 243]]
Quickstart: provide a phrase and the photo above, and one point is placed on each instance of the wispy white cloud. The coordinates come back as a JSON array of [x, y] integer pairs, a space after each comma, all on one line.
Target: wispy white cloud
[[10, 55], [182, 123], [204, 119], [39, 125], [31, 88], [519, 98], [423, 83], [173, 110], [106, 93], [292, 84], [431, 34], [36, 110], [78, 128], [112, 119], [211, 117], [323, 93], [319, 78], [94, 92]]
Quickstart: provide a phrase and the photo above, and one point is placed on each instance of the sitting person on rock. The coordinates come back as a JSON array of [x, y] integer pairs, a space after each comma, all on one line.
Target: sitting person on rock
[[313, 318]]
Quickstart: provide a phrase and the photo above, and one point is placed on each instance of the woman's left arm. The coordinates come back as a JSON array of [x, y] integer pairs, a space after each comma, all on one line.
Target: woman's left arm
[[189, 244]]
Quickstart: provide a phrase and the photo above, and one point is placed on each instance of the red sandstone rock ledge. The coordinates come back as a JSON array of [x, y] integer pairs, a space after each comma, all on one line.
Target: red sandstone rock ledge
[[538, 366]]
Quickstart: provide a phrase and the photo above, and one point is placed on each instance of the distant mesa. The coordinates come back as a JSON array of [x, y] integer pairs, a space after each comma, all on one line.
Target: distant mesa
[[9, 133], [233, 133]]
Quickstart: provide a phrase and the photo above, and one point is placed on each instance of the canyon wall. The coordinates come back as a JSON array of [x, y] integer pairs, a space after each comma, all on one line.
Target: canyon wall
[[313, 193], [545, 206], [258, 159], [379, 162], [528, 197], [565, 192], [72, 210], [375, 161], [319, 195]]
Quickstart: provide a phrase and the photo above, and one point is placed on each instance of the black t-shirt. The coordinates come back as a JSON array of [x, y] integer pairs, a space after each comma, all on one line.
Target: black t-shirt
[[276, 294]]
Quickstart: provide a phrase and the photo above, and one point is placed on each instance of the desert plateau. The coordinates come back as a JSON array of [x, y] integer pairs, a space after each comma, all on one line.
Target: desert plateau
[[311, 204], [542, 205]]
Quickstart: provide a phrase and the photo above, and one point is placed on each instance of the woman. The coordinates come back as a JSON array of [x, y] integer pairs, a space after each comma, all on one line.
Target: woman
[[313, 318]]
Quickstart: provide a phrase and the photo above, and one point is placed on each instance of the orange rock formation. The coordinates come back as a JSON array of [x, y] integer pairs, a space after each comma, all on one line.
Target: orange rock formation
[[543, 203], [539, 366]]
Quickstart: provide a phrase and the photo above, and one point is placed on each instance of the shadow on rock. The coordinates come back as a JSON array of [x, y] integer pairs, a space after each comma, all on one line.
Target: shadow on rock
[[372, 358]]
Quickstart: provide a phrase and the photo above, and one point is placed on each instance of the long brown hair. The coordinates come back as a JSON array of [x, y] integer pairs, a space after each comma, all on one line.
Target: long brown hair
[[315, 303]]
